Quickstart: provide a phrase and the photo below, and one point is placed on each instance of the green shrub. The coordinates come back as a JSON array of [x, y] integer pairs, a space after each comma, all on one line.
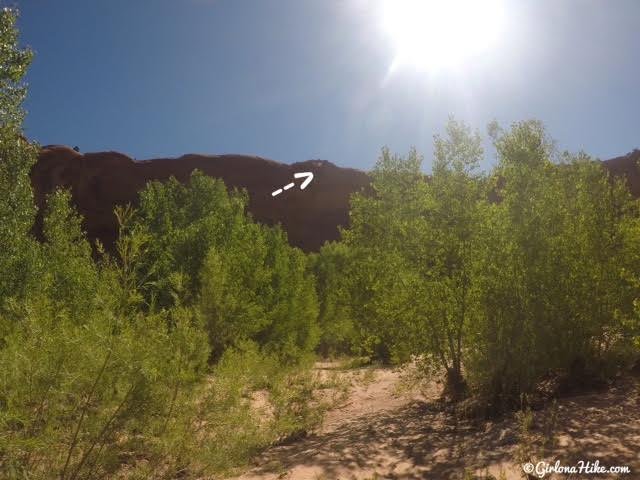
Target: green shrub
[[19, 259], [105, 364], [249, 401], [75, 396], [248, 283], [257, 288], [498, 280], [71, 277], [183, 222], [332, 268], [552, 289]]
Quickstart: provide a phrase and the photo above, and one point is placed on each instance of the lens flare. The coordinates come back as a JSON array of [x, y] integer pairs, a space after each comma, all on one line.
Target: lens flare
[[435, 34]]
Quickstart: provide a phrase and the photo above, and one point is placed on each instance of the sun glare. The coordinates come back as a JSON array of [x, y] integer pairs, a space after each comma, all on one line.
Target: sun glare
[[436, 34]]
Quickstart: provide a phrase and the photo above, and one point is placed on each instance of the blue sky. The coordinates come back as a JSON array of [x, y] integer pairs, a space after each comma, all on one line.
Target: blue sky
[[294, 80]]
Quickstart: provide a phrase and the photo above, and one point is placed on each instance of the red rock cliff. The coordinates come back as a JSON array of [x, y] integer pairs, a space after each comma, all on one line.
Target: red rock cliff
[[100, 181]]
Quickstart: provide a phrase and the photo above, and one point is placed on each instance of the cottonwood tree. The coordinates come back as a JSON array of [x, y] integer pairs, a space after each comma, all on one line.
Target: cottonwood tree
[[417, 238], [17, 156]]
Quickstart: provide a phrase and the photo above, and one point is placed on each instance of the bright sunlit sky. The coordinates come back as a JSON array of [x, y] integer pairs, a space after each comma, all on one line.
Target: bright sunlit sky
[[294, 80]]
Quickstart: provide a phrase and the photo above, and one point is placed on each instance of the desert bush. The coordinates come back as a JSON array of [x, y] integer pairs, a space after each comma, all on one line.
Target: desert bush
[[249, 401], [122, 391], [333, 267], [70, 275], [289, 404], [416, 242], [498, 279], [19, 261], [74, 394], [106, 356], [259, 290], [86, 385], [96, 381], [552, 290], [246, 281], [182, 223]]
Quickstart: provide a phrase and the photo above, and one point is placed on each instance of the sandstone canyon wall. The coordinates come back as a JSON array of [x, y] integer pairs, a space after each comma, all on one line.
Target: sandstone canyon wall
[[100, 181]]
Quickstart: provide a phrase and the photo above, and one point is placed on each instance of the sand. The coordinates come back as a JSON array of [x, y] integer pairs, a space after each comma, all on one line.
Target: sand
[[378, 432]]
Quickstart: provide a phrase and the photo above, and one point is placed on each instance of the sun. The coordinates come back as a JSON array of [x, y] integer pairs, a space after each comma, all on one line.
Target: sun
[[437, 34]]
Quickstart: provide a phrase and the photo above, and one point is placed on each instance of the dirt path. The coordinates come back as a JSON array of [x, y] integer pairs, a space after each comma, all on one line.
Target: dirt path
[[379, 433]]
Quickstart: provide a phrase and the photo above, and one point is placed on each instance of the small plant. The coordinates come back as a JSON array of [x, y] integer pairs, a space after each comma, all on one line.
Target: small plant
[[549, 425], [532, 447], [525, 451], [367, 376]]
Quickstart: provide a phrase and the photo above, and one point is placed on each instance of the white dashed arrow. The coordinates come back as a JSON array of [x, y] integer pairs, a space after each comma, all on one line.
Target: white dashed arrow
[[304, 184]]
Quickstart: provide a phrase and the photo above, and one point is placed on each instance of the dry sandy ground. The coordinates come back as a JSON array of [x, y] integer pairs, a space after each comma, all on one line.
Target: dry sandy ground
[[378, 433]]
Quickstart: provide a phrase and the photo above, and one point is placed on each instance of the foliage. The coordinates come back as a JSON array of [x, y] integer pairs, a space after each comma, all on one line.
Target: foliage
[[19, 261], [71, 276], [105, 357], [415, 239], [553, 295], [335, 318], [246, 280], [497, 279], [189, 349], [74, 395], [248, 401], [88, 392], [382, 282], [182, 223]]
